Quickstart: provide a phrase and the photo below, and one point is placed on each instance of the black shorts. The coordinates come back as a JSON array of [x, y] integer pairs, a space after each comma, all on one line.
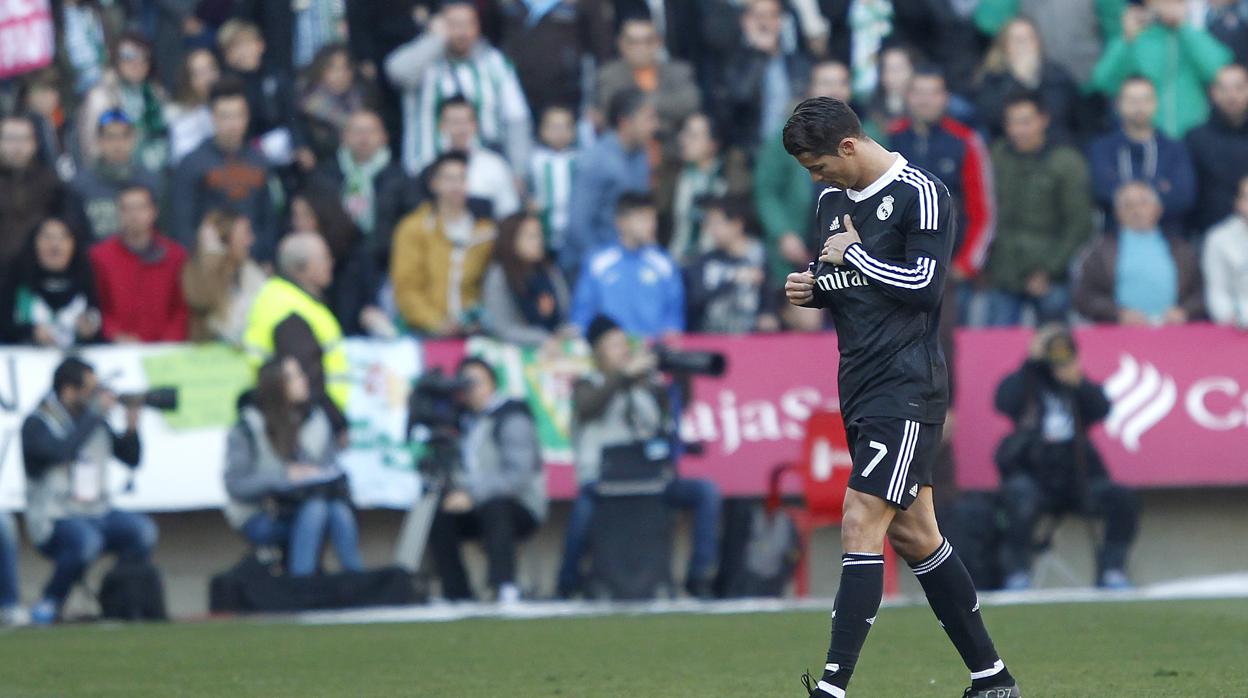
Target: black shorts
[[892, 457]]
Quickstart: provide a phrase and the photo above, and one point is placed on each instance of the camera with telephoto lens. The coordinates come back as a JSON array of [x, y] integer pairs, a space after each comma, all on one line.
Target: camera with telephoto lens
[[163, 398], [690, 363]]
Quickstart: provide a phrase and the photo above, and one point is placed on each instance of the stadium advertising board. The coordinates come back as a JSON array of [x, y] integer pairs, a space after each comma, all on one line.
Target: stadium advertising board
[[1180, 415]]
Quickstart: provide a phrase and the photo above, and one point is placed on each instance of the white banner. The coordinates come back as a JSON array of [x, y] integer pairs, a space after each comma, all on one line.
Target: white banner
[[184, 451]]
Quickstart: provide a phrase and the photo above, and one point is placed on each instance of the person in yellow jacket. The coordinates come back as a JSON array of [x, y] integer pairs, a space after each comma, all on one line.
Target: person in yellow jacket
[[440, 253], [305, 270]]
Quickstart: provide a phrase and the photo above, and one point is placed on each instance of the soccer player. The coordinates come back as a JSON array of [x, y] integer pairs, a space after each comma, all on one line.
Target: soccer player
[[889, 239]]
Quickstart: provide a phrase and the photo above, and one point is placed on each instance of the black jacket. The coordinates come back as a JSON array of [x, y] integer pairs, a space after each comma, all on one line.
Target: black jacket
[[1219, 153], [1021, 397]]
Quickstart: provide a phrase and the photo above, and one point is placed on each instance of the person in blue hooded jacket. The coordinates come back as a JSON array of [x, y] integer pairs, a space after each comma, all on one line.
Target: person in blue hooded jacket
[[633, 280]]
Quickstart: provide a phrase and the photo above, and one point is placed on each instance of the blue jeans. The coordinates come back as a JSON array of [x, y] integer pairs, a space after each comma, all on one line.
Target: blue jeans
[[304, 533], [700, 496], [78, 541], [8, 562], [1005, 308]]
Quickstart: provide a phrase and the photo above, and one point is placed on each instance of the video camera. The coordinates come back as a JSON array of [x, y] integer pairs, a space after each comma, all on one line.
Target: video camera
[[433, 418]]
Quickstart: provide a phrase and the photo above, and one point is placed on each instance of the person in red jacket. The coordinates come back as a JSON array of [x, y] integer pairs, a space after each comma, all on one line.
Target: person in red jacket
[[929, 138], [138, 276]]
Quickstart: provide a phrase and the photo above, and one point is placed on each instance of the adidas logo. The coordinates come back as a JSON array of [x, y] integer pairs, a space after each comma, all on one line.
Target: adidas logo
[[835, 225], [914, 490], [871, 620]]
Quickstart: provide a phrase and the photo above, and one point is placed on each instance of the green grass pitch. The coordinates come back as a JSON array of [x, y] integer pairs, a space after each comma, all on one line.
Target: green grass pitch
[[1188, 648]]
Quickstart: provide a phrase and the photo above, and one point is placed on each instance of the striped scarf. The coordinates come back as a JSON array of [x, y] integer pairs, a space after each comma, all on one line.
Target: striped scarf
[[870, 22]]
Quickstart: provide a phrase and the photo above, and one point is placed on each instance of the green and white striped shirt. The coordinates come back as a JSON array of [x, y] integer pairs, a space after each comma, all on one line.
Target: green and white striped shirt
[[550, 181]]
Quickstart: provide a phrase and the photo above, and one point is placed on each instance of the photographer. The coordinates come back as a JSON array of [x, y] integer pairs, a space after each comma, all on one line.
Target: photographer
[[499, 493], [1049, 465], [67, 445], [282, 477], [621, 403]]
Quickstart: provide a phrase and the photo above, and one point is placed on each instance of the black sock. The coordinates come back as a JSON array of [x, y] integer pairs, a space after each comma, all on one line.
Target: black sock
[[951, 594], [857, 602]]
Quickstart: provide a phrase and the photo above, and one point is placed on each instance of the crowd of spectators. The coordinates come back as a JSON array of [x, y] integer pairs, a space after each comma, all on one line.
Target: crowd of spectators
[[148, 176], [258, 173]]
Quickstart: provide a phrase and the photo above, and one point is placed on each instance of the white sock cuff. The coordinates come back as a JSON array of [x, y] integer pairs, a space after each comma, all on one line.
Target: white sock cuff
[[831, 690], [997, 667]]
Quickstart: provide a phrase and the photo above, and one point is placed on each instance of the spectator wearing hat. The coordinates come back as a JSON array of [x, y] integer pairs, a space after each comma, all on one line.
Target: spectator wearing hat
[[129, 86], [98, 184], [138, 275], [633, 281], [621, 402]]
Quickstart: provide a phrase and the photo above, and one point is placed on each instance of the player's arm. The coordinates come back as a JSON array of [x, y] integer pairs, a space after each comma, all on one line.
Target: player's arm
[[920, 280]]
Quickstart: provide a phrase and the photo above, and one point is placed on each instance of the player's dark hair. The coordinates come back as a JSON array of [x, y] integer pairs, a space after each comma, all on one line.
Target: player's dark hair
[[480, 363], [818, 125], [631, 201], [456, 100], [625, 104], [228, 87], [70, 374], [1018, 97]]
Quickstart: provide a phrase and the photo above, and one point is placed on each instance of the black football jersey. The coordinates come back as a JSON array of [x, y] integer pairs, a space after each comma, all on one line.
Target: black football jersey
[[885, 300]]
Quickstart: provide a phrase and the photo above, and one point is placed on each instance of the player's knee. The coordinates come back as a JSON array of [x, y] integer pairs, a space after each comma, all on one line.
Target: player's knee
[[862, 530]]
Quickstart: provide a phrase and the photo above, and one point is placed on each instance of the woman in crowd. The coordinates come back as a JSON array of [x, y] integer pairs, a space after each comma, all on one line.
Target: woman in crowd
[[128, 86], [190, 120], [221, 280], [282, 476], [524, 295], [332, 92], [49, 299], [1016, 63]]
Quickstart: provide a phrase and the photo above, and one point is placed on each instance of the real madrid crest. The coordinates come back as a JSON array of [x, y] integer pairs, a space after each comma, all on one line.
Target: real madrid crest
[[885, 208]]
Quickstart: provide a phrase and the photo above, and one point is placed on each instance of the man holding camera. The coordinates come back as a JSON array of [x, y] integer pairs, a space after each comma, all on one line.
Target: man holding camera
[[499, 493], [618, 404], [67, 445], [1049, 465]]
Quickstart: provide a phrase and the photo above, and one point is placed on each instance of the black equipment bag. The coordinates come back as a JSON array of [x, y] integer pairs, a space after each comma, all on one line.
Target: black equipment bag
[[251, 587], [631, 546], [759, 552], [133, 591], [631, 530]]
